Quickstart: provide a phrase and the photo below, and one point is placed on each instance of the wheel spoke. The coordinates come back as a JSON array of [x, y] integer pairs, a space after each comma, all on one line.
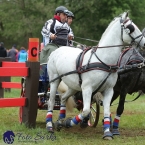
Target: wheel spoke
[[93, 109], [94, 114], [92, 117]]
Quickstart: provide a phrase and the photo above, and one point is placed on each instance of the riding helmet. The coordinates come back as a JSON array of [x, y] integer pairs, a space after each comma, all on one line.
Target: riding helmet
[[70, 14], [61, 9]]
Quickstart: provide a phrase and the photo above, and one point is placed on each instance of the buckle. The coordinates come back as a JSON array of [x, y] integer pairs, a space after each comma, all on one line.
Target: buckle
[[140, 65]]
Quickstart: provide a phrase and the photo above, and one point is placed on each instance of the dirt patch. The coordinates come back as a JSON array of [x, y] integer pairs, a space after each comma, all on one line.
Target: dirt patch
[[132, 132], [90, 131]]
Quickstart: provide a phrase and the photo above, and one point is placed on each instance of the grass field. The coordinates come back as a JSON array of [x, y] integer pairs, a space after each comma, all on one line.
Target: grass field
[[132, 126]]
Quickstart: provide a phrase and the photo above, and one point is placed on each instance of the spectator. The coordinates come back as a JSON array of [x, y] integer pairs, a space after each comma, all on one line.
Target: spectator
[[22, 55], [7, 51], [3, 52], [13, 53]]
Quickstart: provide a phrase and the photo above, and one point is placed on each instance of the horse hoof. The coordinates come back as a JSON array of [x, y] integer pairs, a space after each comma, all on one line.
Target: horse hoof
[[83, 124], [50, 129], [115, 132], [67, 123], [108, 135], [58, 125]]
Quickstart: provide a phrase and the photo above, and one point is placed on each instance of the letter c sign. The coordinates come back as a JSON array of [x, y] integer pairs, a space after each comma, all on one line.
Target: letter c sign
[[33, 49]]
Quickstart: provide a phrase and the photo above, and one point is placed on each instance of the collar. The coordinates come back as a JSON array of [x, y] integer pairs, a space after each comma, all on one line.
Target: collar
[[57, 17]]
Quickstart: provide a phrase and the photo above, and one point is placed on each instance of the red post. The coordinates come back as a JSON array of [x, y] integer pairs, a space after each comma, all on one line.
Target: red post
[[33, 52]]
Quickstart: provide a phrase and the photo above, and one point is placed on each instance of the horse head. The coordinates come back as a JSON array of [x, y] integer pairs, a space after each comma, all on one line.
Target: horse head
[[128, 28]]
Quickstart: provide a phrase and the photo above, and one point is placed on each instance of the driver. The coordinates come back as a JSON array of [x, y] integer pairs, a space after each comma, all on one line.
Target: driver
[[56, 30]]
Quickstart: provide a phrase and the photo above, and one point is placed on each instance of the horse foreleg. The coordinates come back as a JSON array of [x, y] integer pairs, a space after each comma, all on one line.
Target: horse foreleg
[[51, 102], [106, 104], [119, 112], [86, 109]]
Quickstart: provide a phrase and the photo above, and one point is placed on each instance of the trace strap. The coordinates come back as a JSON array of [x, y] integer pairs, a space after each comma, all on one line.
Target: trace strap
[[71, 72]]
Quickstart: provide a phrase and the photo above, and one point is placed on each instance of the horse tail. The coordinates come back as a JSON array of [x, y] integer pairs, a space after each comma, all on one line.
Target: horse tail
[[70, 104]]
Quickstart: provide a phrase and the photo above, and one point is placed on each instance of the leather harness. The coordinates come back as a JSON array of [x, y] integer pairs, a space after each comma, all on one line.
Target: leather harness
[[89, 66], [92, 66]]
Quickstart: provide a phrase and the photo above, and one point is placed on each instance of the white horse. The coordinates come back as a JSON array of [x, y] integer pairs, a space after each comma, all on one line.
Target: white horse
[[63, 60]]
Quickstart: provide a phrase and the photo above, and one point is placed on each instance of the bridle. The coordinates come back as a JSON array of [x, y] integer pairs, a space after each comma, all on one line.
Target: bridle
[[125, 27]]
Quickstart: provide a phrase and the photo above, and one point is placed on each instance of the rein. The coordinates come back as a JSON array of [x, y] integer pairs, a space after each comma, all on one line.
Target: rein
[[109, 46], [96, 46], [87, 39]]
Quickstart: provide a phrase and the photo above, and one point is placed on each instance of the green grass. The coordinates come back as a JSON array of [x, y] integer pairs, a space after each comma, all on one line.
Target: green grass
[[132, 126]]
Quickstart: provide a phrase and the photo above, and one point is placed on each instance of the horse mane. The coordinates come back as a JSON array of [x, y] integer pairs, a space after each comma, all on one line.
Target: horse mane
[[111, 23]]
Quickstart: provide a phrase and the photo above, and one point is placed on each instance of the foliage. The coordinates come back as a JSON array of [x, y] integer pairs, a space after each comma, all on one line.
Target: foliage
[[22, 19]]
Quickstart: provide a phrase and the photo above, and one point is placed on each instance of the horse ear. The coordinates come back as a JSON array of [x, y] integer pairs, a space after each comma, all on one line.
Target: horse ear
[[127, 14], [130, 28], [124, 16]]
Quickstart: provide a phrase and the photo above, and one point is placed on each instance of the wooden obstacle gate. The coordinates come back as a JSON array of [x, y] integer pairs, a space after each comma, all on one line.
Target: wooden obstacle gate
[[29, 70]]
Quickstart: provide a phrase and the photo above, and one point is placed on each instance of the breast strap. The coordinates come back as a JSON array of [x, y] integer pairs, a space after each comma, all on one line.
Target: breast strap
[[91, 66]]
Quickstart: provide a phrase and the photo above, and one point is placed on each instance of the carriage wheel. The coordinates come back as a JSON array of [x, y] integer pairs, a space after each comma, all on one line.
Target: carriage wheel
[[95, 112], [22, 95]]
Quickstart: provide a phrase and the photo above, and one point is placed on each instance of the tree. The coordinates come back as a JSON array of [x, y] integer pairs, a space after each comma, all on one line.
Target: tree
[[21, 19]]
